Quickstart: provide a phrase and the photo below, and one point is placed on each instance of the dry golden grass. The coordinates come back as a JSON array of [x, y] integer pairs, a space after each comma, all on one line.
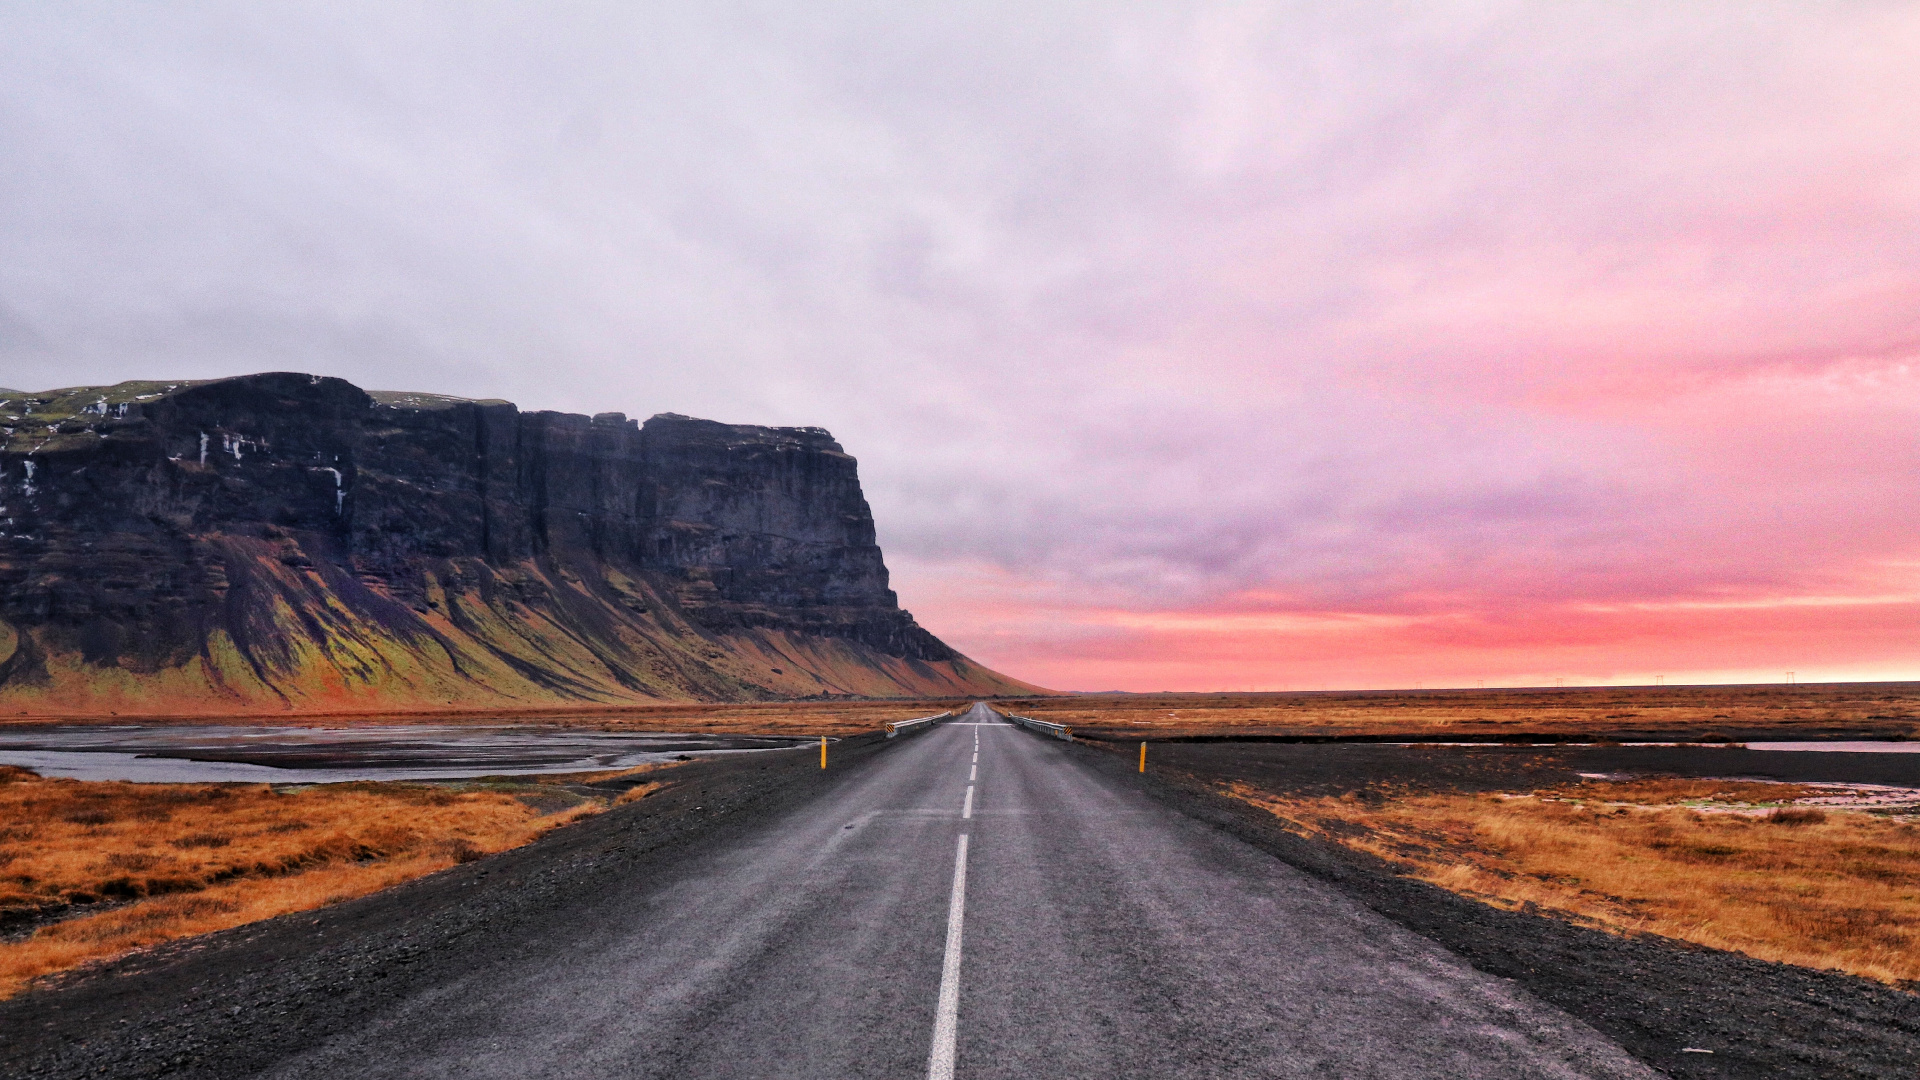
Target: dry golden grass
[[610, 774], [1812, 887], [171, 860], [811, 719], [638, 792], [1868, 710]]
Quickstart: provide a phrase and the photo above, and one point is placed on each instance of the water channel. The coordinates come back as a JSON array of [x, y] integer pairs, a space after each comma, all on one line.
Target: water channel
[[319, 755]]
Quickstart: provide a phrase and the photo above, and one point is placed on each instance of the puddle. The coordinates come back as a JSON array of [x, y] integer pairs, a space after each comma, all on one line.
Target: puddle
[[312, 755], [1864, 797], [1846, 796], [1803, 745], [1841, 746]]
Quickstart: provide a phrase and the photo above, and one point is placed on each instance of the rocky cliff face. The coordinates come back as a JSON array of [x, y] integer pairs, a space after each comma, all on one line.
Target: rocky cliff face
[[287, 540]]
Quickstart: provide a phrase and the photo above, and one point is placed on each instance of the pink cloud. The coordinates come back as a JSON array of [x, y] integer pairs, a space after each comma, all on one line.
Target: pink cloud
[[1759, 640]]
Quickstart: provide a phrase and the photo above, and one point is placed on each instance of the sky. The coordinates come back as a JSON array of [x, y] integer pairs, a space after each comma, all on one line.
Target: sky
[[1184, 346]]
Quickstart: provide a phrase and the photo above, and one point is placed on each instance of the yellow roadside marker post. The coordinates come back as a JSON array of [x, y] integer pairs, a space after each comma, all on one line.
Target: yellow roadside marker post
[[823, 751], [1143, 756]]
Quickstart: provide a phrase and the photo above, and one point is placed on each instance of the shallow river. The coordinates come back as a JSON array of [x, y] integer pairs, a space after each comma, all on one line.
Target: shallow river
[[313, 755]]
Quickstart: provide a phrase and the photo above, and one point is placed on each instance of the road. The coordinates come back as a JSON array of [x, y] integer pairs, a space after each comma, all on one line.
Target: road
[[976, 903]]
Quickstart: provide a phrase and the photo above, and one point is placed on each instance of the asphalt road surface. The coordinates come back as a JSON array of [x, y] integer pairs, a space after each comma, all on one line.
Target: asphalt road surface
[[975, 904]]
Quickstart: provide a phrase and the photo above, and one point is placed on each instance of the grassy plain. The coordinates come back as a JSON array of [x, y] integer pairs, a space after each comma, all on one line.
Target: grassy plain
[[801, 718], [1862, 710], [1723, 864], [90, 870]]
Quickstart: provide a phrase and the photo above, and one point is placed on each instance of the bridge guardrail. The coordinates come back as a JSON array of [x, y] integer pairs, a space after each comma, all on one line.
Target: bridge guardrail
[[895, 727], [1044, 727]]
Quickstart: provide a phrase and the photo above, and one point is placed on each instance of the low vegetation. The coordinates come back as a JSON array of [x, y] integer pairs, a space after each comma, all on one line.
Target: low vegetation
[[1728, 865], [93, 870], [1736, 713], [808, 719]]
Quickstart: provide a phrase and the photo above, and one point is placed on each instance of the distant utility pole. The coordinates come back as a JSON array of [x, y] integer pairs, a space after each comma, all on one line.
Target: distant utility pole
[[1559, 682], [1659, 680], [1789, 678]]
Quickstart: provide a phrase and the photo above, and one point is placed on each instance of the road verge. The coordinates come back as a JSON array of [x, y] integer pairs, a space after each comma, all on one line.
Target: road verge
[[1656, 998]]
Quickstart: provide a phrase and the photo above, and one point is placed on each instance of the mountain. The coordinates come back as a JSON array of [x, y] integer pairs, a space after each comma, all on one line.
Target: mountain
[[291, 541]]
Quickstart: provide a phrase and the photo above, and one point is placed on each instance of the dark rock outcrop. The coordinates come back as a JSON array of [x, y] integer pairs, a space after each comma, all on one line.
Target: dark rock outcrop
[[290, 539]]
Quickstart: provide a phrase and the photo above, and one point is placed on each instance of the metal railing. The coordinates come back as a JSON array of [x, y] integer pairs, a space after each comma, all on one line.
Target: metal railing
[[897, 726], [1044, 727]]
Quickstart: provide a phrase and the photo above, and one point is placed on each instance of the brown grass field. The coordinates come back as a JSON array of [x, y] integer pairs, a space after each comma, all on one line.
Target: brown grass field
[[1864, 710], [104, 868], [1813, 887], [806, 718]]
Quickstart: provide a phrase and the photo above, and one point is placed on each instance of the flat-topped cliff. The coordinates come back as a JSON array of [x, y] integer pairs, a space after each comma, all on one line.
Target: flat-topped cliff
[[287, 540]]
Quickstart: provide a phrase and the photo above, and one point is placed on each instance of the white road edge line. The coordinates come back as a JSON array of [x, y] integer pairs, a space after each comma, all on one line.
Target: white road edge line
[[967, 810], [946, 1018]]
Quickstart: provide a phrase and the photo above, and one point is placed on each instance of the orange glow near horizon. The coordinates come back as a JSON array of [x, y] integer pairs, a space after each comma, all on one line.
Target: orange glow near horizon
[[1755, 639]]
